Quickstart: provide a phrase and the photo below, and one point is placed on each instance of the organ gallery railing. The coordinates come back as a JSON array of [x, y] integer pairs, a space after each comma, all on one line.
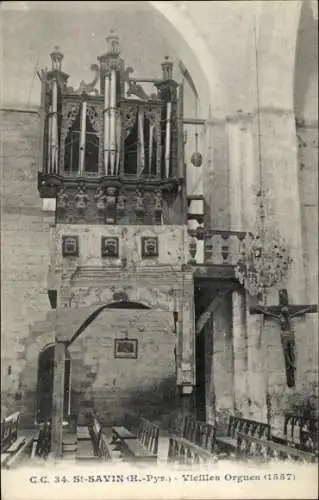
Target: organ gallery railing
[[214, 246]]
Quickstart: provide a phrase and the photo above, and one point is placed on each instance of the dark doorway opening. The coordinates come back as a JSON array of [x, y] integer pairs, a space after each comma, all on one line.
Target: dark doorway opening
[[200, 377], [45, 385], [201, 299]]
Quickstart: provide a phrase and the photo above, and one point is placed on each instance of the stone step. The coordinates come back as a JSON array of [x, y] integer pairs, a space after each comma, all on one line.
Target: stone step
[[70, 448]]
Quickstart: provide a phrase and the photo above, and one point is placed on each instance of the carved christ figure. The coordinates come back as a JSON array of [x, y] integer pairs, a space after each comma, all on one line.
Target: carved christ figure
[[284, 313]]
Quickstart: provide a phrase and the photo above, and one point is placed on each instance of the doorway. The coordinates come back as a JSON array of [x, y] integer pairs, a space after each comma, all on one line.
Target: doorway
[[200, 377], [45, 385]]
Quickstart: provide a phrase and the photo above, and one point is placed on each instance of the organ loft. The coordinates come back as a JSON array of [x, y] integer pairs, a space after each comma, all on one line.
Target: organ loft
[[114, 174]]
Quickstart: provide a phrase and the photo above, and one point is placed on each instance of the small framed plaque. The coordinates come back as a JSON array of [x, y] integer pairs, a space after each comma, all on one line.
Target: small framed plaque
[[125, 348]]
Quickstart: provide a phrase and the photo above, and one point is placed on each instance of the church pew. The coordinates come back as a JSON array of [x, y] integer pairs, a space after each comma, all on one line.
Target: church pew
[[20, 456], [4, 458], [16, 445], [125, 431], [200, 433], [228, 444], [263, 450], [301, 432], [145, 446], [9, 430], [92, 443], [184, 452]]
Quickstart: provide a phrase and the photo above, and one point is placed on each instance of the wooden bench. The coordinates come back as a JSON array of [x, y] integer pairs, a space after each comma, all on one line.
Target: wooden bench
[[92, 443], [184, 452], [228, 444], [301, 432], [16, 445], [4, 458], [21, 456], [9, 430], [143, 447], [120, 433], [256, 449], [199, 433]]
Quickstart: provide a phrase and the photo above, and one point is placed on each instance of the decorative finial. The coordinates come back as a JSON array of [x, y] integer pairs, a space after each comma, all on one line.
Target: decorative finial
[[56, 57], [113, 44], [167, 68]]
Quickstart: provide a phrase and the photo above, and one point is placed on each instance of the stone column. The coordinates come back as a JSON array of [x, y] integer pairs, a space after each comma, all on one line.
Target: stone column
[[240, 191], [240, 352], [223, 357], [256, 375], [215, 174], [209, 374], [58, 399], [280, 175]]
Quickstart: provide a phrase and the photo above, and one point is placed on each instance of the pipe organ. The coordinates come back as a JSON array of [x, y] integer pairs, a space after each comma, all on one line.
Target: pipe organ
[[117, 136]]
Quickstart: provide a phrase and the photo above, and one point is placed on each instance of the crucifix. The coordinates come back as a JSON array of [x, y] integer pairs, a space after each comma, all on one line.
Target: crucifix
[[284, 313]]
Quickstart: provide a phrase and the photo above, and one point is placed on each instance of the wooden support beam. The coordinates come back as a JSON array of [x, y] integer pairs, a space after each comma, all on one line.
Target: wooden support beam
[[210, 309], [58, 399]]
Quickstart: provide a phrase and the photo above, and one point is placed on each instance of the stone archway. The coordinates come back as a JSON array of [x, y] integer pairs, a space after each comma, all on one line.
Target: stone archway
[[127, 304], [193, 50], [44, 394]]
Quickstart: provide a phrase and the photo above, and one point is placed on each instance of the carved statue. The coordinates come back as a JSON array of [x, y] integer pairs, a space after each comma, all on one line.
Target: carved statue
[[81, 198], [139, 202], [62, 199], [110, 197], [121, 200], [158, 201], [100, 199]]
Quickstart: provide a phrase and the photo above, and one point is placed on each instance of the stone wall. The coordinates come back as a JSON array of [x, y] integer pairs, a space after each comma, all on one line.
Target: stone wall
[[145, 385], [172, 245], [24, 247], [307, 135]]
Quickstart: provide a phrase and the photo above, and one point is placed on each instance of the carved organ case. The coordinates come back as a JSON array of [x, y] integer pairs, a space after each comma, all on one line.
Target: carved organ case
[[118, 146]]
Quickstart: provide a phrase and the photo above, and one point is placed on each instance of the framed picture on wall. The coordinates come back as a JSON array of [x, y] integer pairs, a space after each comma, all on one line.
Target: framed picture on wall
[[125, 348]]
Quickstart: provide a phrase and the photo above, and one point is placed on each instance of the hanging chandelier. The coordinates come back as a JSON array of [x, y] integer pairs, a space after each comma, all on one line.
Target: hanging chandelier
[[264, 258]]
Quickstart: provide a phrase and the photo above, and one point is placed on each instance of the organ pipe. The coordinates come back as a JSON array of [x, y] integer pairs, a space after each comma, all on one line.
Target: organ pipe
[[82, 136], [141, 156], [113, 122], [106, 123], [54, 129], [50, 140], [168, 138]]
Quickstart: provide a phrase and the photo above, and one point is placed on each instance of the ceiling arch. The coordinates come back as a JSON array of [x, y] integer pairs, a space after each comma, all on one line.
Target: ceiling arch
[[196, 56], [277, 41]]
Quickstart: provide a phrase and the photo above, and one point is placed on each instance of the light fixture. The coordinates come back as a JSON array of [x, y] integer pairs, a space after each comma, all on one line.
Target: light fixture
[[264, 258]]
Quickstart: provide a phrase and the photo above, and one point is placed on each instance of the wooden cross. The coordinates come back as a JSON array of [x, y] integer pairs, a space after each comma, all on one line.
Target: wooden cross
[[284, 312]]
